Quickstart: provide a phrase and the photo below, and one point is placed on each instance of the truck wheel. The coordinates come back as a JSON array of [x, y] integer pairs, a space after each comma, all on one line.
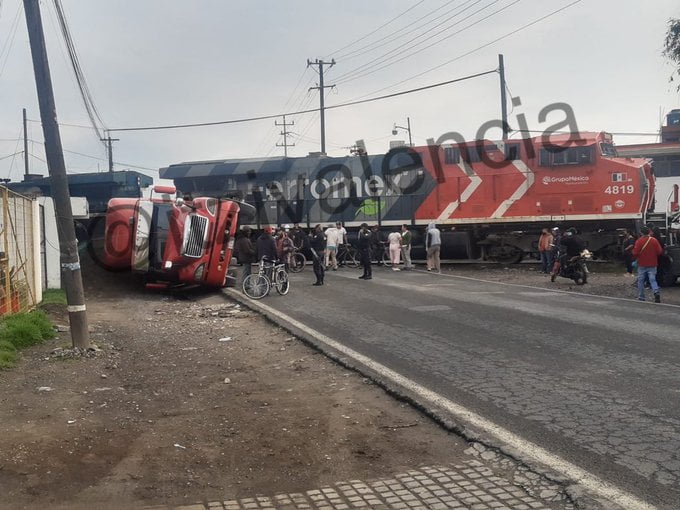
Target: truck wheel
[[665, 277]]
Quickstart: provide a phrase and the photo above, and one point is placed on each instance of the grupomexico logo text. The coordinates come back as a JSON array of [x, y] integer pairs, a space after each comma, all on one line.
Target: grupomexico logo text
[[567, 179]]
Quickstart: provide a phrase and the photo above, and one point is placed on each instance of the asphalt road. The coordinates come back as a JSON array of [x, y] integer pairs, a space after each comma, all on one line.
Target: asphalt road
[[594, 380]]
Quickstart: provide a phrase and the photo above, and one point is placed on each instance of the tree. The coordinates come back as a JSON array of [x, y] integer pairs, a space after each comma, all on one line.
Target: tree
[[671, 48]]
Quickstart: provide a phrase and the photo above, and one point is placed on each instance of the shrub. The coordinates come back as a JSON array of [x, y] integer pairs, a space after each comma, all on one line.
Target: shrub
[[7, 359], [41, 320], [6, 345]]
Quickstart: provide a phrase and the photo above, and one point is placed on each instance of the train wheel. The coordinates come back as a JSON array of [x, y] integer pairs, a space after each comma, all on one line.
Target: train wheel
[[506, 254]]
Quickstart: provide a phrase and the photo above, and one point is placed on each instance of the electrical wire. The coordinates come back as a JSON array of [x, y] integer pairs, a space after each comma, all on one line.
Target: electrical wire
[[428, 34], [398, 33], [332, 107], [9, 42], [400, 58], [380, 27], [475, 50], [85, 93]]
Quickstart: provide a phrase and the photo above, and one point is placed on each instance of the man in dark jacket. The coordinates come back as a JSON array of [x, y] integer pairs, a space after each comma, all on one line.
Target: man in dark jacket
[[647, 251], [266, 247], [317, 246], [245, 251], [364, 244]]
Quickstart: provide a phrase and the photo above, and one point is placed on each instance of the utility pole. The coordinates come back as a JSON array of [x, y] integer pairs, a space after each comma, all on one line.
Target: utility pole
[[109, 145], [68, 248], [285, 134], [504, 101], [26, 169], [320, 88]]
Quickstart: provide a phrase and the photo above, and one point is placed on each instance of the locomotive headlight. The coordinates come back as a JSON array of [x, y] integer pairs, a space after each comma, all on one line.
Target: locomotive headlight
[[198, 274]]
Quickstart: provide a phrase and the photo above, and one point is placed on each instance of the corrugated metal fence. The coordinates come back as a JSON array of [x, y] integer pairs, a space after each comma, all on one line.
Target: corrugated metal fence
[[19, 257]]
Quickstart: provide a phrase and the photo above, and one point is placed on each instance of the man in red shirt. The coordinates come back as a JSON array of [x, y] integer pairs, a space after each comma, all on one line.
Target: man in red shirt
[[647, 251]]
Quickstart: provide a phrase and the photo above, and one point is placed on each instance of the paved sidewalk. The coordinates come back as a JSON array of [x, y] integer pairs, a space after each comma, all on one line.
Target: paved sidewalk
[[470, 485]]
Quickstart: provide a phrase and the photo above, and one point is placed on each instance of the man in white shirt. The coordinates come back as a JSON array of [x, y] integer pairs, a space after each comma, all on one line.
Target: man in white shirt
[[332, 241]]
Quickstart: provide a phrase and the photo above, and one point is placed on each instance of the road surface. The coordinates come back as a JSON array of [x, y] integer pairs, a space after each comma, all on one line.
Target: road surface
[[593, 380]]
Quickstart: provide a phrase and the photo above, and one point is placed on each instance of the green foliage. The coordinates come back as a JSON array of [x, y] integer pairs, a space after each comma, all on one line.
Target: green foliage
[[53, 297], [22, 330], [671, 47], [7, 359]]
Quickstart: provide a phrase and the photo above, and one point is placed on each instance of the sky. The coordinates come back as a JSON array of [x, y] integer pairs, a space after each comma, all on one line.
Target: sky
[[156, 62]]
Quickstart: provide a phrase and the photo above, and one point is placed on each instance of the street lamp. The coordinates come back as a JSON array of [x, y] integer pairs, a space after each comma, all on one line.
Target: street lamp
[[408, 128]]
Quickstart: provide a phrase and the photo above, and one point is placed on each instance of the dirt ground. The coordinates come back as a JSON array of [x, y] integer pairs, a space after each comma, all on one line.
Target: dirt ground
[[193, 398], [605, 279]]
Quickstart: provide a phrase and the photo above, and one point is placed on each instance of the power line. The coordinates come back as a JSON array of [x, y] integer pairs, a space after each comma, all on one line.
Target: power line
[[9, 42], [378, 29], [400, 58], [273, 116], [83, 87], [398, 33], [462, 8], [475, 50]]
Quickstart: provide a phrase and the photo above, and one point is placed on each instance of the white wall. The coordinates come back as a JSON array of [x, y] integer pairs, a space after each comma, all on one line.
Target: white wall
[[53, 264]]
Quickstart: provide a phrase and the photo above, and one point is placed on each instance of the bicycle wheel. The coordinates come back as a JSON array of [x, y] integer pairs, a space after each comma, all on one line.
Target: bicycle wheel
[[282, 283], [297, 263], [351, 259], [256, 286]]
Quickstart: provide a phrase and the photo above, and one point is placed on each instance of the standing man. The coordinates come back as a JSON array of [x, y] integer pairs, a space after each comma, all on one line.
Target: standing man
[[647, 251], [317, 246], [364, 245], [544, 249], [342, 236], [245, 251], [628, 245], [433, 244], [266, 246], [332, 238], [406, 238]]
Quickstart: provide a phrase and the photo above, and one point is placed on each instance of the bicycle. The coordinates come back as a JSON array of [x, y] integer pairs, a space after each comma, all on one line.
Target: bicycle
[[381, 253], [348, 256], [297, 261], [270, 274]]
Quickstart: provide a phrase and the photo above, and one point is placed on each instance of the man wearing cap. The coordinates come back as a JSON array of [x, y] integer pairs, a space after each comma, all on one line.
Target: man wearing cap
[[647, 251]]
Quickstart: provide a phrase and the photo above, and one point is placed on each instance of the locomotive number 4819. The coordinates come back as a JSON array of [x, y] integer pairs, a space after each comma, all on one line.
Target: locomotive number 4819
[[628, 189]]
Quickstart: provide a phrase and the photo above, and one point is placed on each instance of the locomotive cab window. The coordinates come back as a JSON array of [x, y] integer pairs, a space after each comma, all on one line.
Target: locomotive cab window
[[512, 152], [609, 150], [451, 155], [566, 156]]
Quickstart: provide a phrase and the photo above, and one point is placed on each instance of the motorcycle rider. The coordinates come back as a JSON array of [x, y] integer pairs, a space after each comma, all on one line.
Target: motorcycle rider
[[573, 243]]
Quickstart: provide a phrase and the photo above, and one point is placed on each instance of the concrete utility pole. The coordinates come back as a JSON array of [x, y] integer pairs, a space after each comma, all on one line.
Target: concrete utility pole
[[504, 101], [26, 169], [109, 145], [285, 134], [320, 88], [68, 247]]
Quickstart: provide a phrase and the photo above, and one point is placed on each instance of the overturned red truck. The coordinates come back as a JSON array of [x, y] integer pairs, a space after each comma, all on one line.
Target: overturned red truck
[[171, 240]]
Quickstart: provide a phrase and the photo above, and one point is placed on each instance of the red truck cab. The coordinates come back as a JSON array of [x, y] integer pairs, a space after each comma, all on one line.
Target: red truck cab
[[170, 239]]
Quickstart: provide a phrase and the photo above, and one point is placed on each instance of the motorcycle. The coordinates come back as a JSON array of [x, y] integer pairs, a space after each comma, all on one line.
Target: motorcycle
[[573, 268]]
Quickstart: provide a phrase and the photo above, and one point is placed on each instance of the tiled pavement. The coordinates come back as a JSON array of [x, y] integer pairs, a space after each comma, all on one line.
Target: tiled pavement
[[469, 485]]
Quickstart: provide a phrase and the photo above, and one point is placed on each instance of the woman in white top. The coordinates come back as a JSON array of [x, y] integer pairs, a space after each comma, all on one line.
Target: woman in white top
[[395, 249]]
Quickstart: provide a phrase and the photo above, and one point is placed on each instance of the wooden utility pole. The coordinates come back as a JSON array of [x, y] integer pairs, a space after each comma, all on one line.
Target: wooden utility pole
[[68, 247], [320, 87], [285, 133], [109, 145], [504, 101], [26, 168]]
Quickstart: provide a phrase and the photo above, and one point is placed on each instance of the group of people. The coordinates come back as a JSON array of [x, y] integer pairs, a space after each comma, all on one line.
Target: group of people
[[269, 245], [642, 253]]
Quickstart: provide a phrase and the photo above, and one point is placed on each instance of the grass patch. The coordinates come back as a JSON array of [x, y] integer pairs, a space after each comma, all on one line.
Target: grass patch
[[53, 297], [22, 330]]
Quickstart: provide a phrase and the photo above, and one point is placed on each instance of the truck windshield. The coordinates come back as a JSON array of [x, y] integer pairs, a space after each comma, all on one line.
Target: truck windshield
[[158, 235]]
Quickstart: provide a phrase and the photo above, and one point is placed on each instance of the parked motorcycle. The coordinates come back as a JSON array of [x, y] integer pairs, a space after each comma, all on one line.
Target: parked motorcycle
[[573, 268]]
